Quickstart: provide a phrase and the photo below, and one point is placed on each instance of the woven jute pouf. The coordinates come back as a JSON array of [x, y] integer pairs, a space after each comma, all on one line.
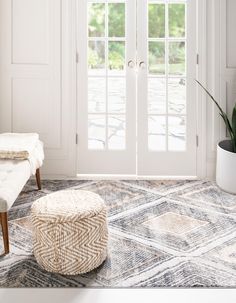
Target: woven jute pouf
[[69, 231]]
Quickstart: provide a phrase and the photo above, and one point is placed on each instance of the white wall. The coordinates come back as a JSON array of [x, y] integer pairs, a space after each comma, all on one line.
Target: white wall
[[37, 76], [221, 70]]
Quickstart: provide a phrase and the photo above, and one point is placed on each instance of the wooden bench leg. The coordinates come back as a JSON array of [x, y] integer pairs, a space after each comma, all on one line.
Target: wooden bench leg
[[4, 223], [38, 179]]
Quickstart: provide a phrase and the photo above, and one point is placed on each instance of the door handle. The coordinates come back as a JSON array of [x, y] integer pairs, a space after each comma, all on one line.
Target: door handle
[[131, 64], [142, 65]]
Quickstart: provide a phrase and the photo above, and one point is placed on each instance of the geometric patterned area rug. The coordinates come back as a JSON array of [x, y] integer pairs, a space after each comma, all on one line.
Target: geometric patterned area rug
[[161, 234]]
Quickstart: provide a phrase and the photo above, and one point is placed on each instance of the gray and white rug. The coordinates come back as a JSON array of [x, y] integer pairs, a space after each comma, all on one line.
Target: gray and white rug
[[161, 234]]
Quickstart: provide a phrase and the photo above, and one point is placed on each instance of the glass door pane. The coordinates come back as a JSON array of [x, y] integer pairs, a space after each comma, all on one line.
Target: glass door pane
[[136, 90], [106, 86], [106, 75], [166, 98], [166, 76]]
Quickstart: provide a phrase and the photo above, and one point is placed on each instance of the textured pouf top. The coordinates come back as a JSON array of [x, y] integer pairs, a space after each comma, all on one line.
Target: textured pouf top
[[68, 206], [70, 231]]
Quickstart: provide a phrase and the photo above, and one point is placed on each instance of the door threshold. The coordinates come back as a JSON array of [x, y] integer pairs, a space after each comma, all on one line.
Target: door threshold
[[132, 177]]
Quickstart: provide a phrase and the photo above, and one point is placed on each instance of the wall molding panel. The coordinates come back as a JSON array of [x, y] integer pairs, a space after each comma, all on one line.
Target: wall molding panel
[[31, 31], [36, 77]]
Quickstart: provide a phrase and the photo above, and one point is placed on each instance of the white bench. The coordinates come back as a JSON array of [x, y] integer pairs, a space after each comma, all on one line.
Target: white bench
[[13, 177]]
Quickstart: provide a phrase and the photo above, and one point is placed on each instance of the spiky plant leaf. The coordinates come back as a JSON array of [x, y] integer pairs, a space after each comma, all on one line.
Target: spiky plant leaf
[[234, 126], [213, 99], [230, 128], [227, 124]]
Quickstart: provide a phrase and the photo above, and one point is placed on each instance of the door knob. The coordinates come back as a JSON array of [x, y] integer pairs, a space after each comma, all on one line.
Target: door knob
[[131, 64], [142, 64]]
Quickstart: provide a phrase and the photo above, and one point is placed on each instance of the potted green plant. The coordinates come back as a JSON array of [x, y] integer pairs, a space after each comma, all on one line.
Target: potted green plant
[[226, 151]]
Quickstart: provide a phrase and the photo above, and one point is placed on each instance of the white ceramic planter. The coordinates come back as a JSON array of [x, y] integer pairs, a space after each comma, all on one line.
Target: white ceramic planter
[[226, 167]]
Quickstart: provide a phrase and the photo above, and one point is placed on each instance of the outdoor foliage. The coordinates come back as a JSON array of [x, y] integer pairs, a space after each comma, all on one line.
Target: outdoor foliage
[[156, 25], [157, 29]]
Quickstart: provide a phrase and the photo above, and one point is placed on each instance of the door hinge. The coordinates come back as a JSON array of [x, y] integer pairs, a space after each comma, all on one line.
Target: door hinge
[[76, 139], [197, 59], [197, 141], [77, 57]]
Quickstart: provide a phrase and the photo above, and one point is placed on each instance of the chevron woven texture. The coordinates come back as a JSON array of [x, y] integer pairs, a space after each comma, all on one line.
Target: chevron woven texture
[[69, 232], [161, 234]]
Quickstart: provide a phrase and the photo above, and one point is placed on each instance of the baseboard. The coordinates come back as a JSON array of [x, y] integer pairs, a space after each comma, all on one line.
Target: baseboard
[[133, 177], [114, 177]]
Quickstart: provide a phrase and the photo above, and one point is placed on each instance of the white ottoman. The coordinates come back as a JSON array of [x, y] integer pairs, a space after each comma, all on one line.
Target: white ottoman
[[70, 231]]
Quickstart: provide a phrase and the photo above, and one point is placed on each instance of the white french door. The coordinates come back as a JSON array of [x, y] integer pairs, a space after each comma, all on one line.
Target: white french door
[[106, 87], [166, 91], [136, 95]]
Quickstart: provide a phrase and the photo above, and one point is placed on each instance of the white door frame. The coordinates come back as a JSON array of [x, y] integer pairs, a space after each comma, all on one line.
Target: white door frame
[[201, 57], [167, 162], [201, 96], [106, 160]]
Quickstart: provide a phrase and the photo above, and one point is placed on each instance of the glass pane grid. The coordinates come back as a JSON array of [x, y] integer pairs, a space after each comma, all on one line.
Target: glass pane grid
[[167, 71], [106, 32], [168, 39], [113, 114], [177, 133], [157, 133], [116, 132], [105, 43], [106, 76], [114, 1], [167, 96], [96, 132], [106, 38], [164, 1]]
